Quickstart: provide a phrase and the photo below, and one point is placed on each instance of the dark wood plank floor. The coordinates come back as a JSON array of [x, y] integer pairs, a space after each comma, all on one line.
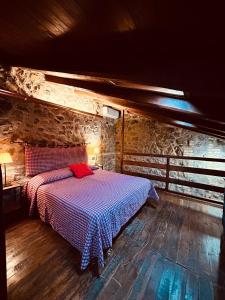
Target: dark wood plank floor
[[172, 252]]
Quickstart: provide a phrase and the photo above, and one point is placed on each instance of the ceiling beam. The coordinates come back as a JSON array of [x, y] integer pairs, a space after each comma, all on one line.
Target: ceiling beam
[[143, 101]]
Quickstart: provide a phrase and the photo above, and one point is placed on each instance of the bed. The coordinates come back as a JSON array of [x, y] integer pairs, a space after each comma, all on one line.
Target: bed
[[87, 212]]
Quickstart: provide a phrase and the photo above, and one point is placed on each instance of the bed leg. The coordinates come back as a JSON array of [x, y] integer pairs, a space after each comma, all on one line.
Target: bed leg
[[96, 268], [98, 272]]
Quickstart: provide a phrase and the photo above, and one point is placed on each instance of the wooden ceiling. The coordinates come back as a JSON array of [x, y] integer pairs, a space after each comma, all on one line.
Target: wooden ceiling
[[171, 44]]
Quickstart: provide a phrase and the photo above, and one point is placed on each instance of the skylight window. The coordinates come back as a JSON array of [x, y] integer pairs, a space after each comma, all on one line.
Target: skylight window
[[177, 104], [186, 124]]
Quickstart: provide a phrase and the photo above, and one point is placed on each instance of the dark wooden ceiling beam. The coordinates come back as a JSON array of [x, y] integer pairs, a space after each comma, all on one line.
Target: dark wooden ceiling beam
[[133, 94], [144, 101]]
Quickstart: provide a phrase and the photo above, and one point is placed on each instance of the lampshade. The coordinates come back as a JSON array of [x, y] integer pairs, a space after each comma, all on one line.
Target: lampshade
[[5, 158], [90, 150], [96, 150]]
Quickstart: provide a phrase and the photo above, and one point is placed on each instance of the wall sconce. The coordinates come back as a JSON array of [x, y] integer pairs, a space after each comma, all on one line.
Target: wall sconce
[[5, 158]]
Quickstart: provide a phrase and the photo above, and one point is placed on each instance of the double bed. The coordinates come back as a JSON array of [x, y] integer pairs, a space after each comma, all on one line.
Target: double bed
[[88, 212]]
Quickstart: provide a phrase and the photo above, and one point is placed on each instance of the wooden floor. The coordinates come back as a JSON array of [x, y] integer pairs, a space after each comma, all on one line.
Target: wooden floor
[[172, 252]]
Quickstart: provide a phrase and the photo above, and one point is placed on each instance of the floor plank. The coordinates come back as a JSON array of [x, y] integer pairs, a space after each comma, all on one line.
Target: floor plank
[[176, 251]]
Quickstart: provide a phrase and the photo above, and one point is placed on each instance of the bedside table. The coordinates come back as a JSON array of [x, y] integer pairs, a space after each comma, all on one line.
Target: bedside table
[[12, 203]]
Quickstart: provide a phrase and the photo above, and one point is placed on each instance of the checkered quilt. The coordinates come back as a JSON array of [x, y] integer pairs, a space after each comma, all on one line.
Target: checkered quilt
[[88, 212]]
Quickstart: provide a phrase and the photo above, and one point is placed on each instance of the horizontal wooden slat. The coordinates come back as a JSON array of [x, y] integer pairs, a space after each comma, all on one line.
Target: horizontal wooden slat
[[145, 154], [198, 170], [152, 177], [176, 157], [144, 164], [178, 181], [197, 185], [196, 197], [168, 180]]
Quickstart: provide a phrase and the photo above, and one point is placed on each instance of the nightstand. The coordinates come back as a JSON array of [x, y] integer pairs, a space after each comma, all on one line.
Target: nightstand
[[13, 206]]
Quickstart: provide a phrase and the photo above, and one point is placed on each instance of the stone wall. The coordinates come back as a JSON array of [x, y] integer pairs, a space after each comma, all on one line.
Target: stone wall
[[32, 83], [22, 121], [25, 121], [145, 135]]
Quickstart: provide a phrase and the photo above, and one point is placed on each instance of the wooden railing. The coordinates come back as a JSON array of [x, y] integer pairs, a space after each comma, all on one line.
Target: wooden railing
[[168, 167]]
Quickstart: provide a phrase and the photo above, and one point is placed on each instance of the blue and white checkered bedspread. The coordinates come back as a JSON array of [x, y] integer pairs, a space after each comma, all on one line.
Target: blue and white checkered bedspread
[[88, 212]]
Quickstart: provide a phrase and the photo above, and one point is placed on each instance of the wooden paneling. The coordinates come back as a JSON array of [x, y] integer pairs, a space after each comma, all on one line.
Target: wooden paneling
[[162, 253]]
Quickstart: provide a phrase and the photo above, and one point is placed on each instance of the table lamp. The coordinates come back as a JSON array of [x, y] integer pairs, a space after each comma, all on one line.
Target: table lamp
[[90, 153], [5, 158], [96, 152]]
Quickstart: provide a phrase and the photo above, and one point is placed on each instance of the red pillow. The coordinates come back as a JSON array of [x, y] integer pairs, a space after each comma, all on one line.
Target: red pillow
[[81, 170]]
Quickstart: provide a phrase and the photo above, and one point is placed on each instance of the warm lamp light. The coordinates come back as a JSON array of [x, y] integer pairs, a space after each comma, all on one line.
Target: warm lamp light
[[96, 150], [92, 152], [5, 158]]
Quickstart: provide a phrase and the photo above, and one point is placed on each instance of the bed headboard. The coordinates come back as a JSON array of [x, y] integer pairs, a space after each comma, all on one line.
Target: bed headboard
[[42, 159]]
